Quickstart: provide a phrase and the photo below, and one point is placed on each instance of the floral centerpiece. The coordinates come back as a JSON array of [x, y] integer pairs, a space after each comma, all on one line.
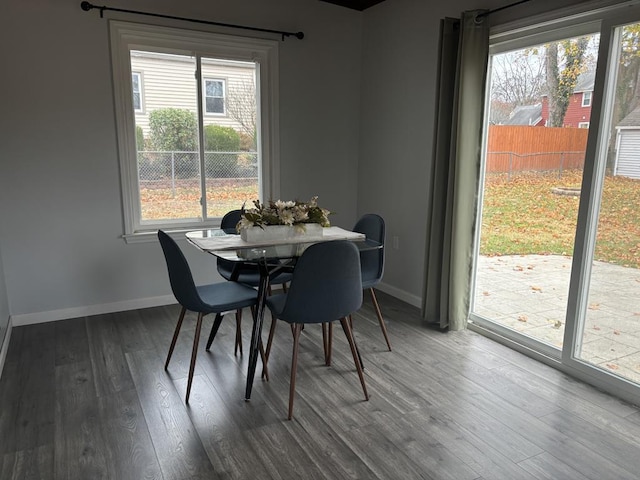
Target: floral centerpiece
[[293, 218]]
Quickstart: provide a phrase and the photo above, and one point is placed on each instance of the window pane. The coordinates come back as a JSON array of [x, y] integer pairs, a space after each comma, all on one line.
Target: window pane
[[167, 138], [610, 335], [533, 175], [231, 157]]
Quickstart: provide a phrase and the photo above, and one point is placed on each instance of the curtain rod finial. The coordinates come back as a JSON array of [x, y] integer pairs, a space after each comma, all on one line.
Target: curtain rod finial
[[86, 6]]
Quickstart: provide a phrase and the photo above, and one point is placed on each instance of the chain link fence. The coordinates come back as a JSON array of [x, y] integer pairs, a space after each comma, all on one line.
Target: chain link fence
[[513, 163], [183, 168]]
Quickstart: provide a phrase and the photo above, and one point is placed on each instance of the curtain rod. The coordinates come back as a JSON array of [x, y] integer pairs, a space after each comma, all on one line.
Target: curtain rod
[[86, 6], [489, 12]]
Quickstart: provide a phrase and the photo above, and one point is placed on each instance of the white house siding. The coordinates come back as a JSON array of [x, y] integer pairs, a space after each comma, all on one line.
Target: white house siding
[[628, 154], [169, 81]]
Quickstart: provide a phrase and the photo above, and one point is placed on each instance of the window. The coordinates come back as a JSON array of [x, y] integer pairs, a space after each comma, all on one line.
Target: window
[[199, 142], [583, 124], [136, 87], [586, 99], [214, 96]]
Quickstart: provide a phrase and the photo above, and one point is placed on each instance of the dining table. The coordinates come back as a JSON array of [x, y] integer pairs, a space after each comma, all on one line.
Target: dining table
[[271, 256]]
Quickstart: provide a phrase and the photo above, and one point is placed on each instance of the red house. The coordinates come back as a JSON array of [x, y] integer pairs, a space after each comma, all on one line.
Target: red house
[[579, 111]]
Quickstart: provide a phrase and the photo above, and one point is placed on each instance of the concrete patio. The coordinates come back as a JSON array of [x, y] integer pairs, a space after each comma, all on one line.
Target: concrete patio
[[528, 293]]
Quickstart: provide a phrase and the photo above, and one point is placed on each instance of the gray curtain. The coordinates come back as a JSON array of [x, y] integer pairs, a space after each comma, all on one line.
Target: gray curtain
[[464, 47]]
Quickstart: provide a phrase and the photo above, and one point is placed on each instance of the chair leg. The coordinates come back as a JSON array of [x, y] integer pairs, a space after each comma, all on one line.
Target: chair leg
[[354, 341], [329, 344], [325, 344], [347, 331], [214, 330], [194, 354], [238, 332], [265, 369], [383, 326], [175, 337], [272, 331], [294, 366]]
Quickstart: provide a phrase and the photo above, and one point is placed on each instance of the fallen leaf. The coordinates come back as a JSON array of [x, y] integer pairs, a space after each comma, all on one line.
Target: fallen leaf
[[557, 324], [594, 306], [595, 327], [485, 293], [536, 289], [523, 318], [612, 366], [616, 332]]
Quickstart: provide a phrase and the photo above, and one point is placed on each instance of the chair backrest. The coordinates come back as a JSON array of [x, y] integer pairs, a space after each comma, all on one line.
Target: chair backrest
[[372, 261], [228, 223], [326, 284], [182, 284], [230, 220]]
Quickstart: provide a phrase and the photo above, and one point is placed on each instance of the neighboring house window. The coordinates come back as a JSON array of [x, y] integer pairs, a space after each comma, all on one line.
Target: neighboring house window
[[586, 99], [136, 87], [174, 158], [214, 96], [583, 125]]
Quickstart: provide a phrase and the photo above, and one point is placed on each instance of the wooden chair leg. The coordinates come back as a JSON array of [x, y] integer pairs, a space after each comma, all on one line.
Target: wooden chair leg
[[238, 332], [214, 330], [194, 354], [272, 331], [325, 344], [175, 337], [265, 369], [329, 345], [383, 326], [354, 341], [347, 331], [294, 366]]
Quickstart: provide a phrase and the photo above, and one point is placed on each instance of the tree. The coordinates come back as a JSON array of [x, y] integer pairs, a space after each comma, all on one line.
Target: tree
[[628, 82], [241, 107], [517, 78], [564, 64]]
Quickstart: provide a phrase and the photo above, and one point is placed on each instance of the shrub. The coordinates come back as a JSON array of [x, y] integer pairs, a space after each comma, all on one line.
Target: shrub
[[221, 139], [173, 129], [139, 138]]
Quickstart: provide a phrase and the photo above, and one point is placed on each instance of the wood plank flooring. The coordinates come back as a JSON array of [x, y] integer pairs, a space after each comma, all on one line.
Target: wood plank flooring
[[88, 398]]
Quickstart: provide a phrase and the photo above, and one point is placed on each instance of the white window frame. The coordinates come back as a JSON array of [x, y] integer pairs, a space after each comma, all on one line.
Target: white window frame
[[587, 98], [127, 36], [583, 124], [139, 75], [205, 96]]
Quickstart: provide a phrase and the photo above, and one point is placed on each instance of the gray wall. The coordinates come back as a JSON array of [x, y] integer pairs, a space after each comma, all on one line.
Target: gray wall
[[4, 307]]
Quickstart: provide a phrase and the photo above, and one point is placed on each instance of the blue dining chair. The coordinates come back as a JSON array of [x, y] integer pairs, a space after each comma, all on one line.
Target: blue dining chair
[[248, 274], [326, 286], [372, 261], [215, 298]]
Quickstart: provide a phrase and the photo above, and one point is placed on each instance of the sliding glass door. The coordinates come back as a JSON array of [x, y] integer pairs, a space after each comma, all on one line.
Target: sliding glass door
[[558, 259]]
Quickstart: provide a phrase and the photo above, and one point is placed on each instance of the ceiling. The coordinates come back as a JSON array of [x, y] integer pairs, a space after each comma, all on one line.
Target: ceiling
[[355, 4]]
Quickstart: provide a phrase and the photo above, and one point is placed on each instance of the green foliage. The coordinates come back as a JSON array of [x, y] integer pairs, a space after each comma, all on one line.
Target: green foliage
[[221, 139], [173, 129], [139, 138]]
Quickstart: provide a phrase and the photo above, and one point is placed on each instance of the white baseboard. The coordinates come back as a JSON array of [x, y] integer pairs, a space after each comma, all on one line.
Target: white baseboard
[[400, 294], [4, 346], [84, 311]]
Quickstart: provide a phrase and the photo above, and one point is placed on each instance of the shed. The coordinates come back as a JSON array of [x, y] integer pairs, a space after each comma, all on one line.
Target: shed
[[627, 161]]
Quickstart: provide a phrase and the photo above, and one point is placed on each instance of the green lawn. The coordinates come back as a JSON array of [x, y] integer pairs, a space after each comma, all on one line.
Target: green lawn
[[522, 216]]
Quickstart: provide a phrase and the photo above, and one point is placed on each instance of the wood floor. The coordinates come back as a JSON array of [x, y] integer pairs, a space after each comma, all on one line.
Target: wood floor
[[89, 399]]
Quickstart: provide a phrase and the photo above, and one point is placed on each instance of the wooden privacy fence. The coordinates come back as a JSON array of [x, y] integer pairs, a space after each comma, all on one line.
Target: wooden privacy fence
[[523, 148]]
